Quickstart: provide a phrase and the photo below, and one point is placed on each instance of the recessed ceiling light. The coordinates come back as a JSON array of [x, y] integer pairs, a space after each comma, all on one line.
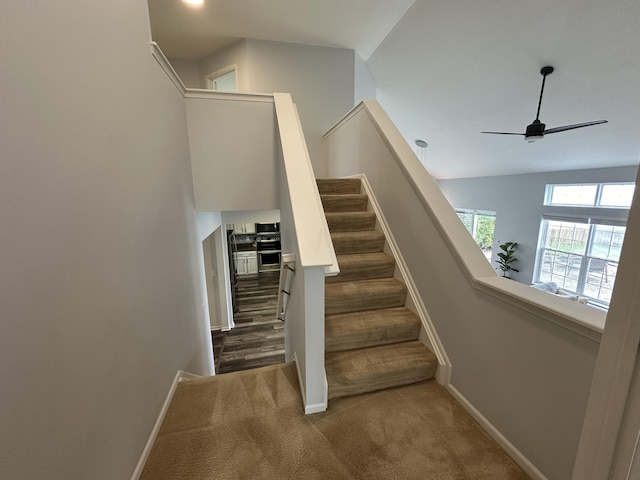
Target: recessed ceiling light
[[194, 3], [421, 143]]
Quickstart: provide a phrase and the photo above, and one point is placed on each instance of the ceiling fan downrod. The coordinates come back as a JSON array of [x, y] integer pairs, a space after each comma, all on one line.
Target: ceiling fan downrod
[[548, 70]]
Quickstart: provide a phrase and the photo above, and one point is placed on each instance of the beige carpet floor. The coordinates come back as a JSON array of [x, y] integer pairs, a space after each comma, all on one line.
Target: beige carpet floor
[[251, 425]]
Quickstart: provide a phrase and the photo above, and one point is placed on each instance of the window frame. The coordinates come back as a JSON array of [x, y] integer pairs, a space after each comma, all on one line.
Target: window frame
[[475, 212], [585, 258], [597, 202], [211, 77]]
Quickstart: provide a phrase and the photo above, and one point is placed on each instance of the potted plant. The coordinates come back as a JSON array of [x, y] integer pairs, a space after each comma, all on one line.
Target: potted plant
[[507, 258]]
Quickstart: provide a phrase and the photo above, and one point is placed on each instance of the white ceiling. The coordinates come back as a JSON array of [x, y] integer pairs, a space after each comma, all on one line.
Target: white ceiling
[[191, 33], [449, 69]]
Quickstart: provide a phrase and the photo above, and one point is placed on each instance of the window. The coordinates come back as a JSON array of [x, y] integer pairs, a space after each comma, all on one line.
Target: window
[[223, 80], [580, 256], [605, 195], [616, 195], [481, 226]]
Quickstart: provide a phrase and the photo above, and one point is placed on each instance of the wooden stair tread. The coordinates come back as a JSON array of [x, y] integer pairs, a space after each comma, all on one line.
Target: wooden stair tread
[[350, 221], [350, 202], [364, 329], [370, 369], [363, 266], [338, 185], [357, 242], [343, 297], [371, 338]]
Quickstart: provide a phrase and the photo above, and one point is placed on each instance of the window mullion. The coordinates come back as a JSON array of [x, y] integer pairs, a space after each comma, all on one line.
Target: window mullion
[[584, 264], [474, 225], [598, 195]]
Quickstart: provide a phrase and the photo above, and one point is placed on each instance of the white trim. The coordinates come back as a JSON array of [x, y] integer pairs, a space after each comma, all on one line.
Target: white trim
[[333, 269], [186, 376], [166, 66], [203, 93], [181, 376], [315, 407], [348, 116], [318, 407], [302, 391], [235, 96], [554, 310], [506, 445], [315, 247], [443, 374]]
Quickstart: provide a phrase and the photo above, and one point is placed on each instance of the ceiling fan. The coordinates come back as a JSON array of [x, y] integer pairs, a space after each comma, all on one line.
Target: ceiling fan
[[537, 130]]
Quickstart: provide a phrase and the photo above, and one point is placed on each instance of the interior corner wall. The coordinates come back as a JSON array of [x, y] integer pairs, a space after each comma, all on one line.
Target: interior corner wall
[[364, 86], [319, 79], [100, 287], [518, 203], [235, 54], [188, 71], [207, 223]]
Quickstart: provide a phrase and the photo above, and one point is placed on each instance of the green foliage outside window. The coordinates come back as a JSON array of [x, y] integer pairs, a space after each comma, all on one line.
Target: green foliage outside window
[[485, 226]]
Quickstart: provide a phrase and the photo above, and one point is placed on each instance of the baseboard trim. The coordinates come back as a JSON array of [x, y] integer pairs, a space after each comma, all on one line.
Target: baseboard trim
[[302, 394], [506, 445], [181, 376], [313, 408]]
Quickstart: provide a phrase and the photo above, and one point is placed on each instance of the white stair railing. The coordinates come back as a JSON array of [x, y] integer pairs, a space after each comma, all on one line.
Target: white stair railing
[[305, 235]]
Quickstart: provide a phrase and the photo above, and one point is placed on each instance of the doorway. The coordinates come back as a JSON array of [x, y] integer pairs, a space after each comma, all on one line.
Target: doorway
[[257, 337]]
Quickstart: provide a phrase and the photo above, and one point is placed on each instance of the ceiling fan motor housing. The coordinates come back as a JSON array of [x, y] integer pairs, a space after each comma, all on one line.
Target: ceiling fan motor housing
[[535, 131]]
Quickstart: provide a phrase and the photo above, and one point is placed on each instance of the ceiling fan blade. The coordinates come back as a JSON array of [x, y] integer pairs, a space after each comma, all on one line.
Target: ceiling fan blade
[[572, 127], [503, 133]]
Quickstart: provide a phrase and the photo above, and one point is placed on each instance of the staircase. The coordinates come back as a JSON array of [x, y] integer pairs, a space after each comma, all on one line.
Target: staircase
[[371, 338]]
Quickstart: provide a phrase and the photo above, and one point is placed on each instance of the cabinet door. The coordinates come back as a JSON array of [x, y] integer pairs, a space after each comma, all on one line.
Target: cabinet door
[[241, 265], [252, 264], [249, 228]]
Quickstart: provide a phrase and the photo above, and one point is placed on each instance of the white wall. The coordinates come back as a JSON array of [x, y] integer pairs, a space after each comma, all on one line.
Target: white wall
[[364, 86], [528, 376], [188, 71], [235, 54], [207, 222], [100, 288], [252, 216], [320, 80], [609, 441], [518, 203], [233, 154]]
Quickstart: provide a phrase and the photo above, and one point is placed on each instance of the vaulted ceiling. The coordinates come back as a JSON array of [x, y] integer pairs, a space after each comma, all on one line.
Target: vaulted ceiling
[[447, 70]]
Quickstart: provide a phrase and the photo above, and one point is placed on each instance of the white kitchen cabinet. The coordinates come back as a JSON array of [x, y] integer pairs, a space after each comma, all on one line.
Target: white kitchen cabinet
[[239, 228], [241, 264], [252, 264], [246, 263]]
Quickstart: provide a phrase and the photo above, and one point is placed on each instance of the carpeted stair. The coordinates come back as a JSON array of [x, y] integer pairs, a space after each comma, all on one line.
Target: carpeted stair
[[371, 338]]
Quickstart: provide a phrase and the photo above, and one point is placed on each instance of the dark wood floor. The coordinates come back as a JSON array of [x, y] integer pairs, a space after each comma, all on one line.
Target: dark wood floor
[[257, 340]]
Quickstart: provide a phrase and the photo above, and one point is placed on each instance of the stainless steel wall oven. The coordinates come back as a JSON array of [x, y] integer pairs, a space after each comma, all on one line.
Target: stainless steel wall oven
[[268, 260], [269, 249]]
